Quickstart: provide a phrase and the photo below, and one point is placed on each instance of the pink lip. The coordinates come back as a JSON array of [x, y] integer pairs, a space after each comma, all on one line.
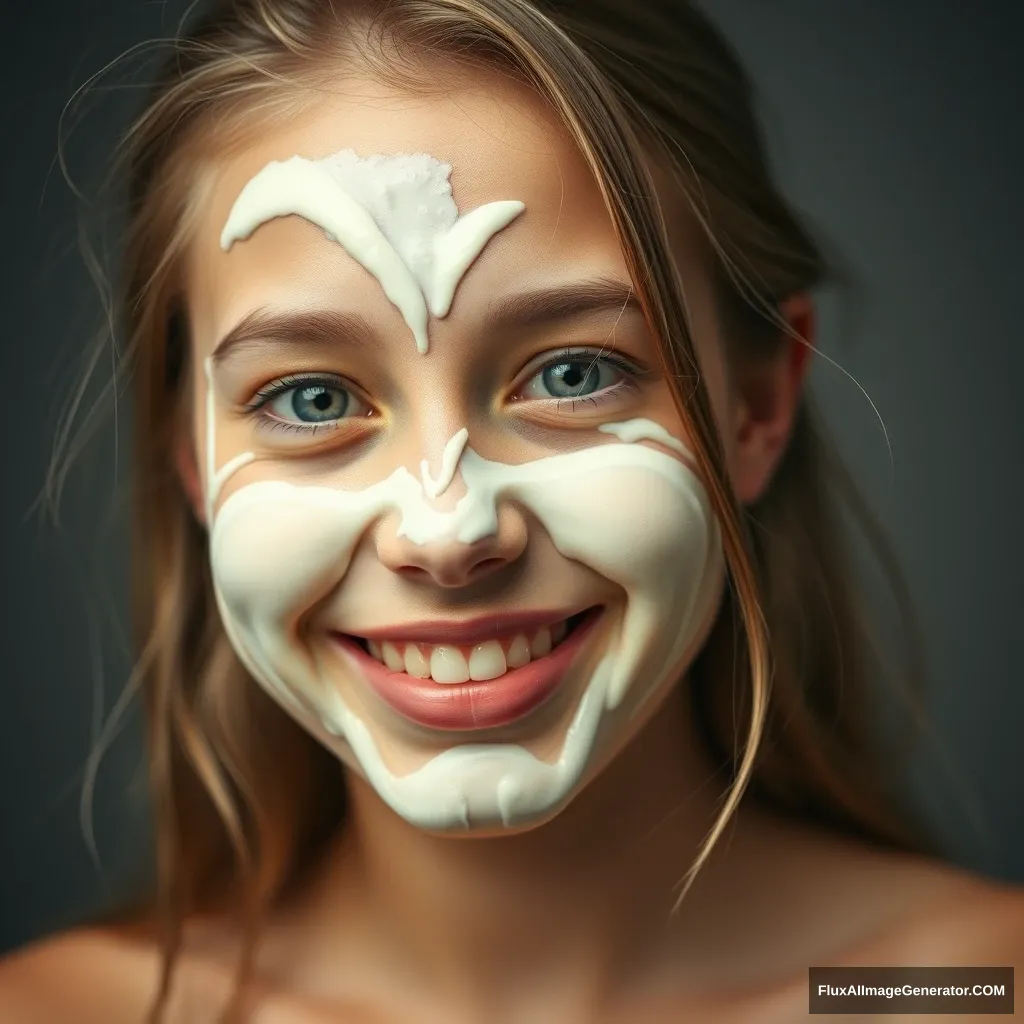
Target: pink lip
[[472, 705], [472, 631]]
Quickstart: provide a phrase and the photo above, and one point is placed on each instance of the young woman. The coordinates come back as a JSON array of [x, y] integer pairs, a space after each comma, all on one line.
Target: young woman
[[499, 656]]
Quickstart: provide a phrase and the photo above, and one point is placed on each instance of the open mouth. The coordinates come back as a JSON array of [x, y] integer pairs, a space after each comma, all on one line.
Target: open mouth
[[492, 683], [481, 662]]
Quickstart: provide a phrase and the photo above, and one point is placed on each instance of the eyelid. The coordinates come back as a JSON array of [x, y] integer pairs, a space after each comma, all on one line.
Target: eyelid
[[636, 372], [279, 385], [620, 359], [267, 394]]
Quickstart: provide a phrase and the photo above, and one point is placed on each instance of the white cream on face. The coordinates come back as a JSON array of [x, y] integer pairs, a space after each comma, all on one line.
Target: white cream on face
[[633, 513], [394, 215], [449, 461]]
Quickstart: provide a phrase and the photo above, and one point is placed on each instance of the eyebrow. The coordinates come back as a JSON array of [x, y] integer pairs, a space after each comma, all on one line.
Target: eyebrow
[[548, 306], [264, 327], [539, 308]]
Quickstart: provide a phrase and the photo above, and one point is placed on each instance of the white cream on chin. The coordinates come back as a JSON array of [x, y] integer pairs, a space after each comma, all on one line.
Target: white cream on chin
[[394, 215], [634, 514]]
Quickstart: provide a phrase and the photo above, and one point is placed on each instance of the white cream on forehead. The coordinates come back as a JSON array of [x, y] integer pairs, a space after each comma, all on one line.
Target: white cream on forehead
[[394, 215]]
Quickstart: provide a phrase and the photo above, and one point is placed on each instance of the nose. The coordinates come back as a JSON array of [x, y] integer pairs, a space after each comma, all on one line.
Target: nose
[[449, 563]]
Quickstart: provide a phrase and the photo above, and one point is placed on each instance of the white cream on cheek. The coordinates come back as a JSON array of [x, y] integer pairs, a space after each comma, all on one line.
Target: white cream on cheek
[[634, 514]]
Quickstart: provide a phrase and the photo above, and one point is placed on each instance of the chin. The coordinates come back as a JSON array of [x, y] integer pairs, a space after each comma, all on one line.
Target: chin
[[483, 782], [498, 790], [500, 831]]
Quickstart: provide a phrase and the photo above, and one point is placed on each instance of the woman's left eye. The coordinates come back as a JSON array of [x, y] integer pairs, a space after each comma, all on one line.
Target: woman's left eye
[[308, 403], [579, 377]]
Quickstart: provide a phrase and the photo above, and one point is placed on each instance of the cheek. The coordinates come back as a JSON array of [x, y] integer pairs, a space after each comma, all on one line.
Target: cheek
[[629, 524], [631, 513], [275, 552], [646, 525]]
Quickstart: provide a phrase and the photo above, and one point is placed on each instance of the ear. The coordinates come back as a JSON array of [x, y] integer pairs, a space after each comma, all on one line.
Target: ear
[[767, 399], [187, 465]]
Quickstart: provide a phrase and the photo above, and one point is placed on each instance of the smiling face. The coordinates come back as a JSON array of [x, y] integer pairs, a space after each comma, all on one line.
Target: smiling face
[[472, 567]]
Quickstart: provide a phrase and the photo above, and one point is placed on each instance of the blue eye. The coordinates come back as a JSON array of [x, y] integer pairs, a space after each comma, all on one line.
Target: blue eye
[[315, 403], [306, 403], [580, 376], [576, 378]]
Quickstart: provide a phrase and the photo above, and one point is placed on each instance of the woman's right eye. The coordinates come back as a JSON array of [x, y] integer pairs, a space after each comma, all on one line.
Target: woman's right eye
[[307, 403]]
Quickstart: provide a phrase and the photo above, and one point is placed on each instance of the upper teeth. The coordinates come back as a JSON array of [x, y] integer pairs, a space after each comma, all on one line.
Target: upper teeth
[[445, 663]]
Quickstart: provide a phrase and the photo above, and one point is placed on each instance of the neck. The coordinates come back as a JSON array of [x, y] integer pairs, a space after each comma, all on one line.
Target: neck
[[591, 892]]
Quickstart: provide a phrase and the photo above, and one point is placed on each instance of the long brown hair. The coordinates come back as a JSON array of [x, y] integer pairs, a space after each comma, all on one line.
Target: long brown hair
[[244, 799]]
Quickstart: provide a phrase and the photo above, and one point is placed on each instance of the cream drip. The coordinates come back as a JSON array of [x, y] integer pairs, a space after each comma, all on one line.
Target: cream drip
[[215, 478], [449, 463], [631, 431], [394, 215]]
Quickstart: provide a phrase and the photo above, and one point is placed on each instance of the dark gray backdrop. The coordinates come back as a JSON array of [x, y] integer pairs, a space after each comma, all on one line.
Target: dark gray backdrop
[[895, 124]]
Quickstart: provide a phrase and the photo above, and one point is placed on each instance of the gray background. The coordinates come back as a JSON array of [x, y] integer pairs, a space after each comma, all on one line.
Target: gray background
[[895, 124]]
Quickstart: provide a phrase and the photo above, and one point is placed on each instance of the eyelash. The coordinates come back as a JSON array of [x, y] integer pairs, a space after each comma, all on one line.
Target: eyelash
[[282, 386], [632, 375], [629, 384]]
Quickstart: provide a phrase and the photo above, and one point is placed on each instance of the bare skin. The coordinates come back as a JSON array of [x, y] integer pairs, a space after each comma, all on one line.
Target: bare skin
[[569, 922], [777, 899]]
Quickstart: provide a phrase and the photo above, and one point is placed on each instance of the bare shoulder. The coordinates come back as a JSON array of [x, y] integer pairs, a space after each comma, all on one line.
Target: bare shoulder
[[88, 975], [113, 976], [932, 912], [968, 921]]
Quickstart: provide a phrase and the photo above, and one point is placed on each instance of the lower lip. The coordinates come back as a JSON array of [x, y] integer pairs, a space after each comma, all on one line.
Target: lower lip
[[488, 704]]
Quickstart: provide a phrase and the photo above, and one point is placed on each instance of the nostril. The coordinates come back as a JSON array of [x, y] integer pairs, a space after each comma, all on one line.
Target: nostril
[[486, 565], [454, 573], [416, 572]]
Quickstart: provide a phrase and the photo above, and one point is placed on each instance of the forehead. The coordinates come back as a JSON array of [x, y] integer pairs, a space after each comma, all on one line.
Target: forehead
[[502, 143]]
